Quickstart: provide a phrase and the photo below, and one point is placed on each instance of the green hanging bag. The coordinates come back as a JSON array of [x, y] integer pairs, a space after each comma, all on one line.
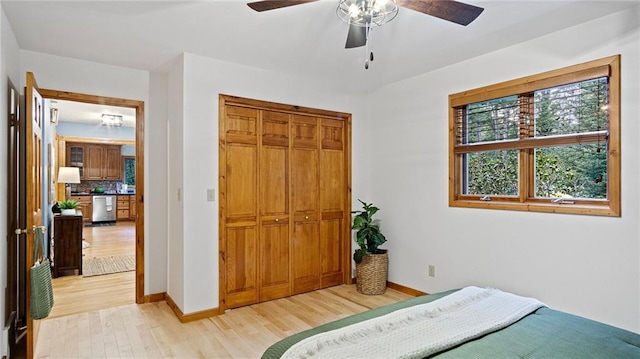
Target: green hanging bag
[[41, 282]]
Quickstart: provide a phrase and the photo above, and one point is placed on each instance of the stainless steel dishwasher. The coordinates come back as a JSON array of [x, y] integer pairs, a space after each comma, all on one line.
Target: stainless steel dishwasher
[[104, 209]]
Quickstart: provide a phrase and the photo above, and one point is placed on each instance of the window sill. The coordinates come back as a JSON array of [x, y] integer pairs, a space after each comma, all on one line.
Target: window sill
[[575, 208]]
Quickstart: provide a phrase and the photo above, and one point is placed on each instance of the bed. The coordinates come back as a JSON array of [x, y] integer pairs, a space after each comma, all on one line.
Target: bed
[[544, 333]]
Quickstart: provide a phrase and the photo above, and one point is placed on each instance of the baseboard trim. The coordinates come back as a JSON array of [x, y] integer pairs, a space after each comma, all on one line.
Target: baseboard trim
[[399, 288], [156, 297], [192, 317], [405, 290]]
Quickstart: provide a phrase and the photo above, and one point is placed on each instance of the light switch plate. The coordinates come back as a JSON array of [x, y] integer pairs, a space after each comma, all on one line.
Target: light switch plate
[[211, 195]]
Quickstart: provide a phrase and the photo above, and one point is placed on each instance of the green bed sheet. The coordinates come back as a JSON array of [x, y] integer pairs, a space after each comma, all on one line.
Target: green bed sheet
[[543, 334]]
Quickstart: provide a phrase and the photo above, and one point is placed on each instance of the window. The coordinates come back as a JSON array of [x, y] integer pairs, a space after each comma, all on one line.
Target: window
[[129, 171], [545, 143]]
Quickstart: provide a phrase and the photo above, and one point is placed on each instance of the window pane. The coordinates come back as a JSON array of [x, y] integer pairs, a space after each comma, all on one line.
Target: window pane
[[130, 171], [574, 108], [494, 120], [491, 173], [577, 171]]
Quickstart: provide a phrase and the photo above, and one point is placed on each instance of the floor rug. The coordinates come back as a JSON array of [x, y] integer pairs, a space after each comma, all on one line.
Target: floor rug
[[107, 265]]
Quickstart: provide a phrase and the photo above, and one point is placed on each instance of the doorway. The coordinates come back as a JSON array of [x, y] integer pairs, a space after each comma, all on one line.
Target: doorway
[[129, 232]]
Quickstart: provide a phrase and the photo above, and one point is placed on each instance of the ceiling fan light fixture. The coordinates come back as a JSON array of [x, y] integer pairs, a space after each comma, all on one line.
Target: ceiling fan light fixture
[[366, 13]]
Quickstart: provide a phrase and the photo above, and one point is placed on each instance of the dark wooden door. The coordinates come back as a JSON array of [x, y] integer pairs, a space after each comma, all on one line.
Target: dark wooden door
[[16, 301]]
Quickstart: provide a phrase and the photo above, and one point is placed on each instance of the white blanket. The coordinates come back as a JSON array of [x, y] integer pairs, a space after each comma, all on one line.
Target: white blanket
[[421, 330]]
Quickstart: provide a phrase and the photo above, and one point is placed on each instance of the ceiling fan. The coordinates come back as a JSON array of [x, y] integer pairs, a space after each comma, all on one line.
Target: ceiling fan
[[362, 15]]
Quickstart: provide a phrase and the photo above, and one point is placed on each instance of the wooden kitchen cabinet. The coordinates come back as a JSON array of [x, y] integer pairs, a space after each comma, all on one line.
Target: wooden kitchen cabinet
[[111, 165], [123, 208], [85, 205], [132, 207], [67, 245], [102, 162], [76, 157]]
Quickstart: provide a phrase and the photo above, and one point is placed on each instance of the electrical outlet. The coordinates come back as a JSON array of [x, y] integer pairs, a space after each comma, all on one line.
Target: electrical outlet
[[432, 270]]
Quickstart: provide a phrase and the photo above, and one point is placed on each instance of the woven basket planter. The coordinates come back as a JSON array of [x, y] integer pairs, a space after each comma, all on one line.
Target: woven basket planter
[[371, 274]]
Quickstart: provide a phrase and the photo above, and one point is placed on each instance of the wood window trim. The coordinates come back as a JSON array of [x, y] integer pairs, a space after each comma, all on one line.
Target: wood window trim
[[609, 66]]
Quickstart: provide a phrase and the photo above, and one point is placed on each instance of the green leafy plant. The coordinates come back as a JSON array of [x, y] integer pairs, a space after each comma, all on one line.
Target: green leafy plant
[[368, 234], [68, 204]]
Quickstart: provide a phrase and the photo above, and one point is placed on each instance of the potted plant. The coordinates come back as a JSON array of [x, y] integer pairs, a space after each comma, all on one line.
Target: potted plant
[[372, 263], [68, 207]]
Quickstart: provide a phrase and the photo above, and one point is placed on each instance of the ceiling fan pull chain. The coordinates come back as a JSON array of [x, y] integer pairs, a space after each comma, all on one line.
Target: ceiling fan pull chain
[[367, 47], [370, 46]]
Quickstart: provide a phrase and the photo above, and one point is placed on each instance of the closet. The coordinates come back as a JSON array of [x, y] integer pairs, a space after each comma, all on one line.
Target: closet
[[284, 200]]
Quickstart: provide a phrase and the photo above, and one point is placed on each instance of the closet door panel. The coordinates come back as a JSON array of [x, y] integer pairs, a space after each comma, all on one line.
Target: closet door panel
[[274, 260], [241, 266], [331, 252], [332, 203], [242, 196], [305, 181], [305, 184], [241, 125], [275, 129], [306, 257], [332, 183], [305, 132], [274, 251], [240, 206], [274, 184]]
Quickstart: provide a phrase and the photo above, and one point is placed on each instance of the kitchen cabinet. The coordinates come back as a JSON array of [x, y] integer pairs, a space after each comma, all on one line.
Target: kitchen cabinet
[[95, 161], [67, 245], [102, 162], [123, 208], [76, 157], [285, 215], [85, 205], [132, 207]]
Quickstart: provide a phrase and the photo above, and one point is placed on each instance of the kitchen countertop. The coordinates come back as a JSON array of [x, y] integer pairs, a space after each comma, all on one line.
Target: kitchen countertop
[[101, 194]]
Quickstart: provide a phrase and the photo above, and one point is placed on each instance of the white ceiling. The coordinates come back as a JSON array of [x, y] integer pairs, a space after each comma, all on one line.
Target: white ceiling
[[304, 40], [86, 113]]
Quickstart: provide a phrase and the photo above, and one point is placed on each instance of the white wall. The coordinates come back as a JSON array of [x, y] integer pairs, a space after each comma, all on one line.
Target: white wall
[[580, 264], [156, 227], [175, 160], [204, 80], [9, 71], [65, 74]]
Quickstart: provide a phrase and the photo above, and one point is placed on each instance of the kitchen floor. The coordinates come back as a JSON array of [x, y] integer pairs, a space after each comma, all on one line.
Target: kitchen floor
[[77, 294]]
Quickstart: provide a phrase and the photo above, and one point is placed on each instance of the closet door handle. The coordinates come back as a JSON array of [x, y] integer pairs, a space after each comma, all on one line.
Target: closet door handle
[[277, 220], [306, 217]]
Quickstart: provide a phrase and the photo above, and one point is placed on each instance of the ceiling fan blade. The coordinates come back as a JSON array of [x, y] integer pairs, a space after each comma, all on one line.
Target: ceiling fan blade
[[449, 10], [275, 4], [356, 37]]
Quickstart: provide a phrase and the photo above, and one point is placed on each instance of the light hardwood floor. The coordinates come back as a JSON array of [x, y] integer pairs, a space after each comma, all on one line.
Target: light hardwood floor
[[96, 317], [77, 294], [153, 331]]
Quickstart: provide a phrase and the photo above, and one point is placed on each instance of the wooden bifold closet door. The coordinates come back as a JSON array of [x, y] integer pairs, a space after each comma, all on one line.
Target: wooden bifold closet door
[[284, 200]]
